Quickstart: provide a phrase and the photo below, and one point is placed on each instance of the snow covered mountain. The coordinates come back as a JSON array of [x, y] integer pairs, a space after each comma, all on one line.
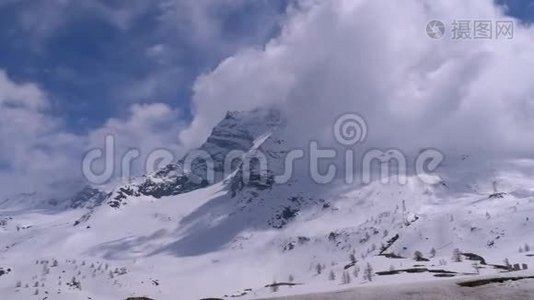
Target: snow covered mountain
[[178, 234]]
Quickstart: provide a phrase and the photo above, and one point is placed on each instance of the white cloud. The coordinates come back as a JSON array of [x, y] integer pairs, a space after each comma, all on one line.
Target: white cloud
[[39, 154], [147, 128], [34, 152], [374, 58], [25, 95]]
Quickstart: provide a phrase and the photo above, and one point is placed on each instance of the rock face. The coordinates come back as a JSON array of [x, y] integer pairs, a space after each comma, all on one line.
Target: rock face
[[245, 151], [238, 135], [88, 198]]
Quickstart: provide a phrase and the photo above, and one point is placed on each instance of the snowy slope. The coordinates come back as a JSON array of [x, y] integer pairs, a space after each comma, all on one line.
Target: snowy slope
[[166, 237]]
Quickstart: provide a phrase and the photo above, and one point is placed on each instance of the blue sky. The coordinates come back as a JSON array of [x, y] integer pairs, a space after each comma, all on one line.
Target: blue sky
[[522, 9], [94, 59]]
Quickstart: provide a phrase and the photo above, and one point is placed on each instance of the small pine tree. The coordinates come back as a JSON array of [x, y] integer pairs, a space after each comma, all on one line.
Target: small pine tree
[[291, 278], [368, 272], [352, 258], [456, 255], [318, 268], [507, 264], [274, 287], [432, 252], [346, 278], [527, 248], [332, 275], [417, 255], [356, 271]]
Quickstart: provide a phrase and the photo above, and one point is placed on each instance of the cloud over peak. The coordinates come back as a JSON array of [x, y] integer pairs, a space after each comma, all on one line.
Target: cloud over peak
[[374, 58]]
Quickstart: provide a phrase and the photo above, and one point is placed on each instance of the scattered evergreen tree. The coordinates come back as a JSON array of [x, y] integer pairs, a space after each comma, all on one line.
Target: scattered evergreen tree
[[417, 255], [456, 255], [368, 272], [274, 287], [332, 275], [346, 278], [318, 268], [432, 252], [507, 264], [356, 271]]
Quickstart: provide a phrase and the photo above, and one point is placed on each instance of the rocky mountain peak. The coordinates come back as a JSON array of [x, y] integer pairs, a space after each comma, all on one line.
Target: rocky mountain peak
[[237, 132]]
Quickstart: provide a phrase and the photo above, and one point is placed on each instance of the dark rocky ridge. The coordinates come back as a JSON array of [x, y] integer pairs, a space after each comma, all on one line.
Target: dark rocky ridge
[[236, 132]]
